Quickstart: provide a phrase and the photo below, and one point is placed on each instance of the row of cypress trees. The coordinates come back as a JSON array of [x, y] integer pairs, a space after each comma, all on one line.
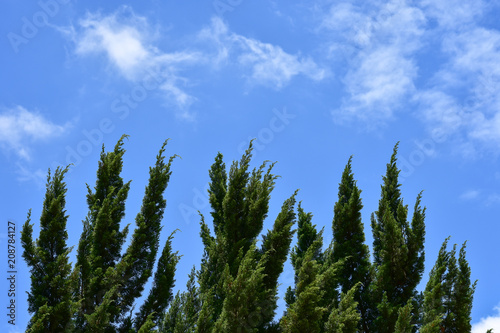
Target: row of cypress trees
[[235, 289]]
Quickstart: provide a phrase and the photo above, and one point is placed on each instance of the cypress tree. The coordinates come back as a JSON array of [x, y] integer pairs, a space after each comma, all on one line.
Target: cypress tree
[[240, 203], [101, 242], [434, 294], [50, 299], [348, 244], [140, 256], [345, 318], [273, 253], [173, 317], [306, 313], [463, 293], [109, 282], [184, 309], [449, 293], [404, 322], [241, 311], [398, 249], [306, 236], [160, 294]]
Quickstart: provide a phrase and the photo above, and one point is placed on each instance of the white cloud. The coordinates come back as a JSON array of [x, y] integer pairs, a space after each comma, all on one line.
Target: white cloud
[[25, 174], [269, 64], [489, 322], [123, 44], [381, 69], [375, 88], [20, 127], [217, 35], [126, 40], [473, 70], [451, 13], [476, 55], [441, 110], [469, 195], [493, 199]]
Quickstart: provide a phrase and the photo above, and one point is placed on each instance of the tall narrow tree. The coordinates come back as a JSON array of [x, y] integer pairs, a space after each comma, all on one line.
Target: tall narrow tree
[[242, 309], [307, 235], [160, 294], [449, 293], [109, 282], [398, 249], [306, 313], [184, 309], [344, 318], [240, 203], [50, 299], [348, 244]]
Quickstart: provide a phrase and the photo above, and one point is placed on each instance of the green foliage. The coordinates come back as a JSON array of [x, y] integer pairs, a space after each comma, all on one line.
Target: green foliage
[[160, 294], [398, 250], [184, 309], [52, 282], [348, 244], [345, 318], [305, 314], [404, 322], [98, 293], [235, 290], [449, 293], [240, 203], [242, 308], [307, 235]]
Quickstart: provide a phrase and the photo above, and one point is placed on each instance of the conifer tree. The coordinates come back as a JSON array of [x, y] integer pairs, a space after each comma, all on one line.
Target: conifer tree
[[184, 309], [404, 322], [240, 203], [305, 314], [140, 256], [171, 323], [241, 311], [306, 236], [435, 291], [398, 249], [345, 318], [348, 244], [274, 252], [449, 293], [160, 295], [50, 299], [109, 281], [101, 241]]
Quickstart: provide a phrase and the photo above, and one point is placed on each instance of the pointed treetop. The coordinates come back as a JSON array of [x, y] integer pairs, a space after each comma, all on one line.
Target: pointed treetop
[[390, 188]]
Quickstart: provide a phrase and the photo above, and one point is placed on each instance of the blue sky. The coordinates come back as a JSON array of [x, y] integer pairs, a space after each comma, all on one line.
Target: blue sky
[[312, 81]]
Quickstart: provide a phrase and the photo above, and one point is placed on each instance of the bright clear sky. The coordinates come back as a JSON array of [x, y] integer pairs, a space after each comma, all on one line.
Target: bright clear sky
[[313, 81]]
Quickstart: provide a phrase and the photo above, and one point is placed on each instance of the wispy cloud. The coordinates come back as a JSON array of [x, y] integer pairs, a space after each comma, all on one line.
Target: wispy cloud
[[381, 69], [383, 44], [19, 128], [452, 13], [487, 197], [488, 322], [493, 199], [123, 43], [469, 195], [441, 110], [26, 174], [465, 93], [269, 64], [126, 40]]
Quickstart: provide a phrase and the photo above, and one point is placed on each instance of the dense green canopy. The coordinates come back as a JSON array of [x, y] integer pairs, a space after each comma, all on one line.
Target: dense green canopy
[[235, 289]]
